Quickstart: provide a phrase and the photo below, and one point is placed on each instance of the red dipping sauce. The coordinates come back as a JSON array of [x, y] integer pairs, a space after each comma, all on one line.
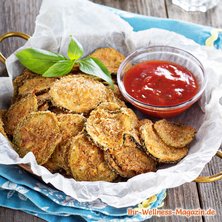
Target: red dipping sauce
[[160, 83]]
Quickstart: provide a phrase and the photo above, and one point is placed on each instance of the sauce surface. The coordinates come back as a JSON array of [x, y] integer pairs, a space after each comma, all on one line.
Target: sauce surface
[[160, 83]]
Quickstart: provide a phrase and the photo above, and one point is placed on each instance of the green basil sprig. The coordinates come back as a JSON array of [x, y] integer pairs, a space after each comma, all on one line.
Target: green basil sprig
[[49, 64]]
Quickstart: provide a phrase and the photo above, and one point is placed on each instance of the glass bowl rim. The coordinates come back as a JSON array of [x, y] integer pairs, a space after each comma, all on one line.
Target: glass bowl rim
[[156, 107]]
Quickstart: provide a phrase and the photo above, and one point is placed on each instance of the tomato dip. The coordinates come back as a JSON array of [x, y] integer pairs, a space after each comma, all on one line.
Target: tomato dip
[[160, 83]]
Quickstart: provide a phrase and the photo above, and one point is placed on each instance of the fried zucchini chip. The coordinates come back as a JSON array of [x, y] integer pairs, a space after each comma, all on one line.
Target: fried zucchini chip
[[113, 165], [157, 148], [87, 162], [108, 124], [78, 93], [110, 57], [143, 121], [117, 92], [18, 111], [111, 97], [2, 130], [59, 157], [38, 133], [19, 80], [128, 160], [70, 125], [35, 85], [174, 134]]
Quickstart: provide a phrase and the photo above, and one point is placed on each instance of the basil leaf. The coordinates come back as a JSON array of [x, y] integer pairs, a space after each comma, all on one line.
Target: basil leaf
[[102, 66], [60, 68], [38, 60], [75, 50], [89, 66]]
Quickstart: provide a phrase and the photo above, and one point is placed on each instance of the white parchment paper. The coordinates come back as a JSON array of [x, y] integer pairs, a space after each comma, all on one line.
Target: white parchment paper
[[96, 27]]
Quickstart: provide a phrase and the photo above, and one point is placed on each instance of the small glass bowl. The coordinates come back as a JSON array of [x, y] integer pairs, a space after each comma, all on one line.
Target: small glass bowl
[[164, 53]]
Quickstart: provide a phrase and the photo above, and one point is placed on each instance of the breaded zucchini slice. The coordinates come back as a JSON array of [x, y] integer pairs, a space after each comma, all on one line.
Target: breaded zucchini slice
[[70, 125], [59, 159], [112, 97], [157, 148], [78, 93], [110, 57], [87, 162], [35, 85], [174, 134], [142, 122], [128, 160], [18, 111], [19, 80], [117, 92], [108, 124], [2, 130], [38, 133]]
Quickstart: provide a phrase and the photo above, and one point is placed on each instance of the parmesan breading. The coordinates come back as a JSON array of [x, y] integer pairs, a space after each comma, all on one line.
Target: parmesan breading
[[157, 148], [87, 162], [110, 57], [38, 133], [19, 80], [35, 85], [174, 134], [108, 124], [78, 93], [18, 111], [70, 125], [128, 160]]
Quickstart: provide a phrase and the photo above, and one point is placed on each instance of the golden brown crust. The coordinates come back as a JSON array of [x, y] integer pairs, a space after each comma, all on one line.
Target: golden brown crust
[[127, 160], [35, 85], [38, 133], [110, 57], [111, 97], [157, 148], [86, 161], [18, 111], [108, 124], [70, 125], [113, 165], [19, 80], [78, 93], [143, 122], [60, 157], [118, 93], [173, 134]]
